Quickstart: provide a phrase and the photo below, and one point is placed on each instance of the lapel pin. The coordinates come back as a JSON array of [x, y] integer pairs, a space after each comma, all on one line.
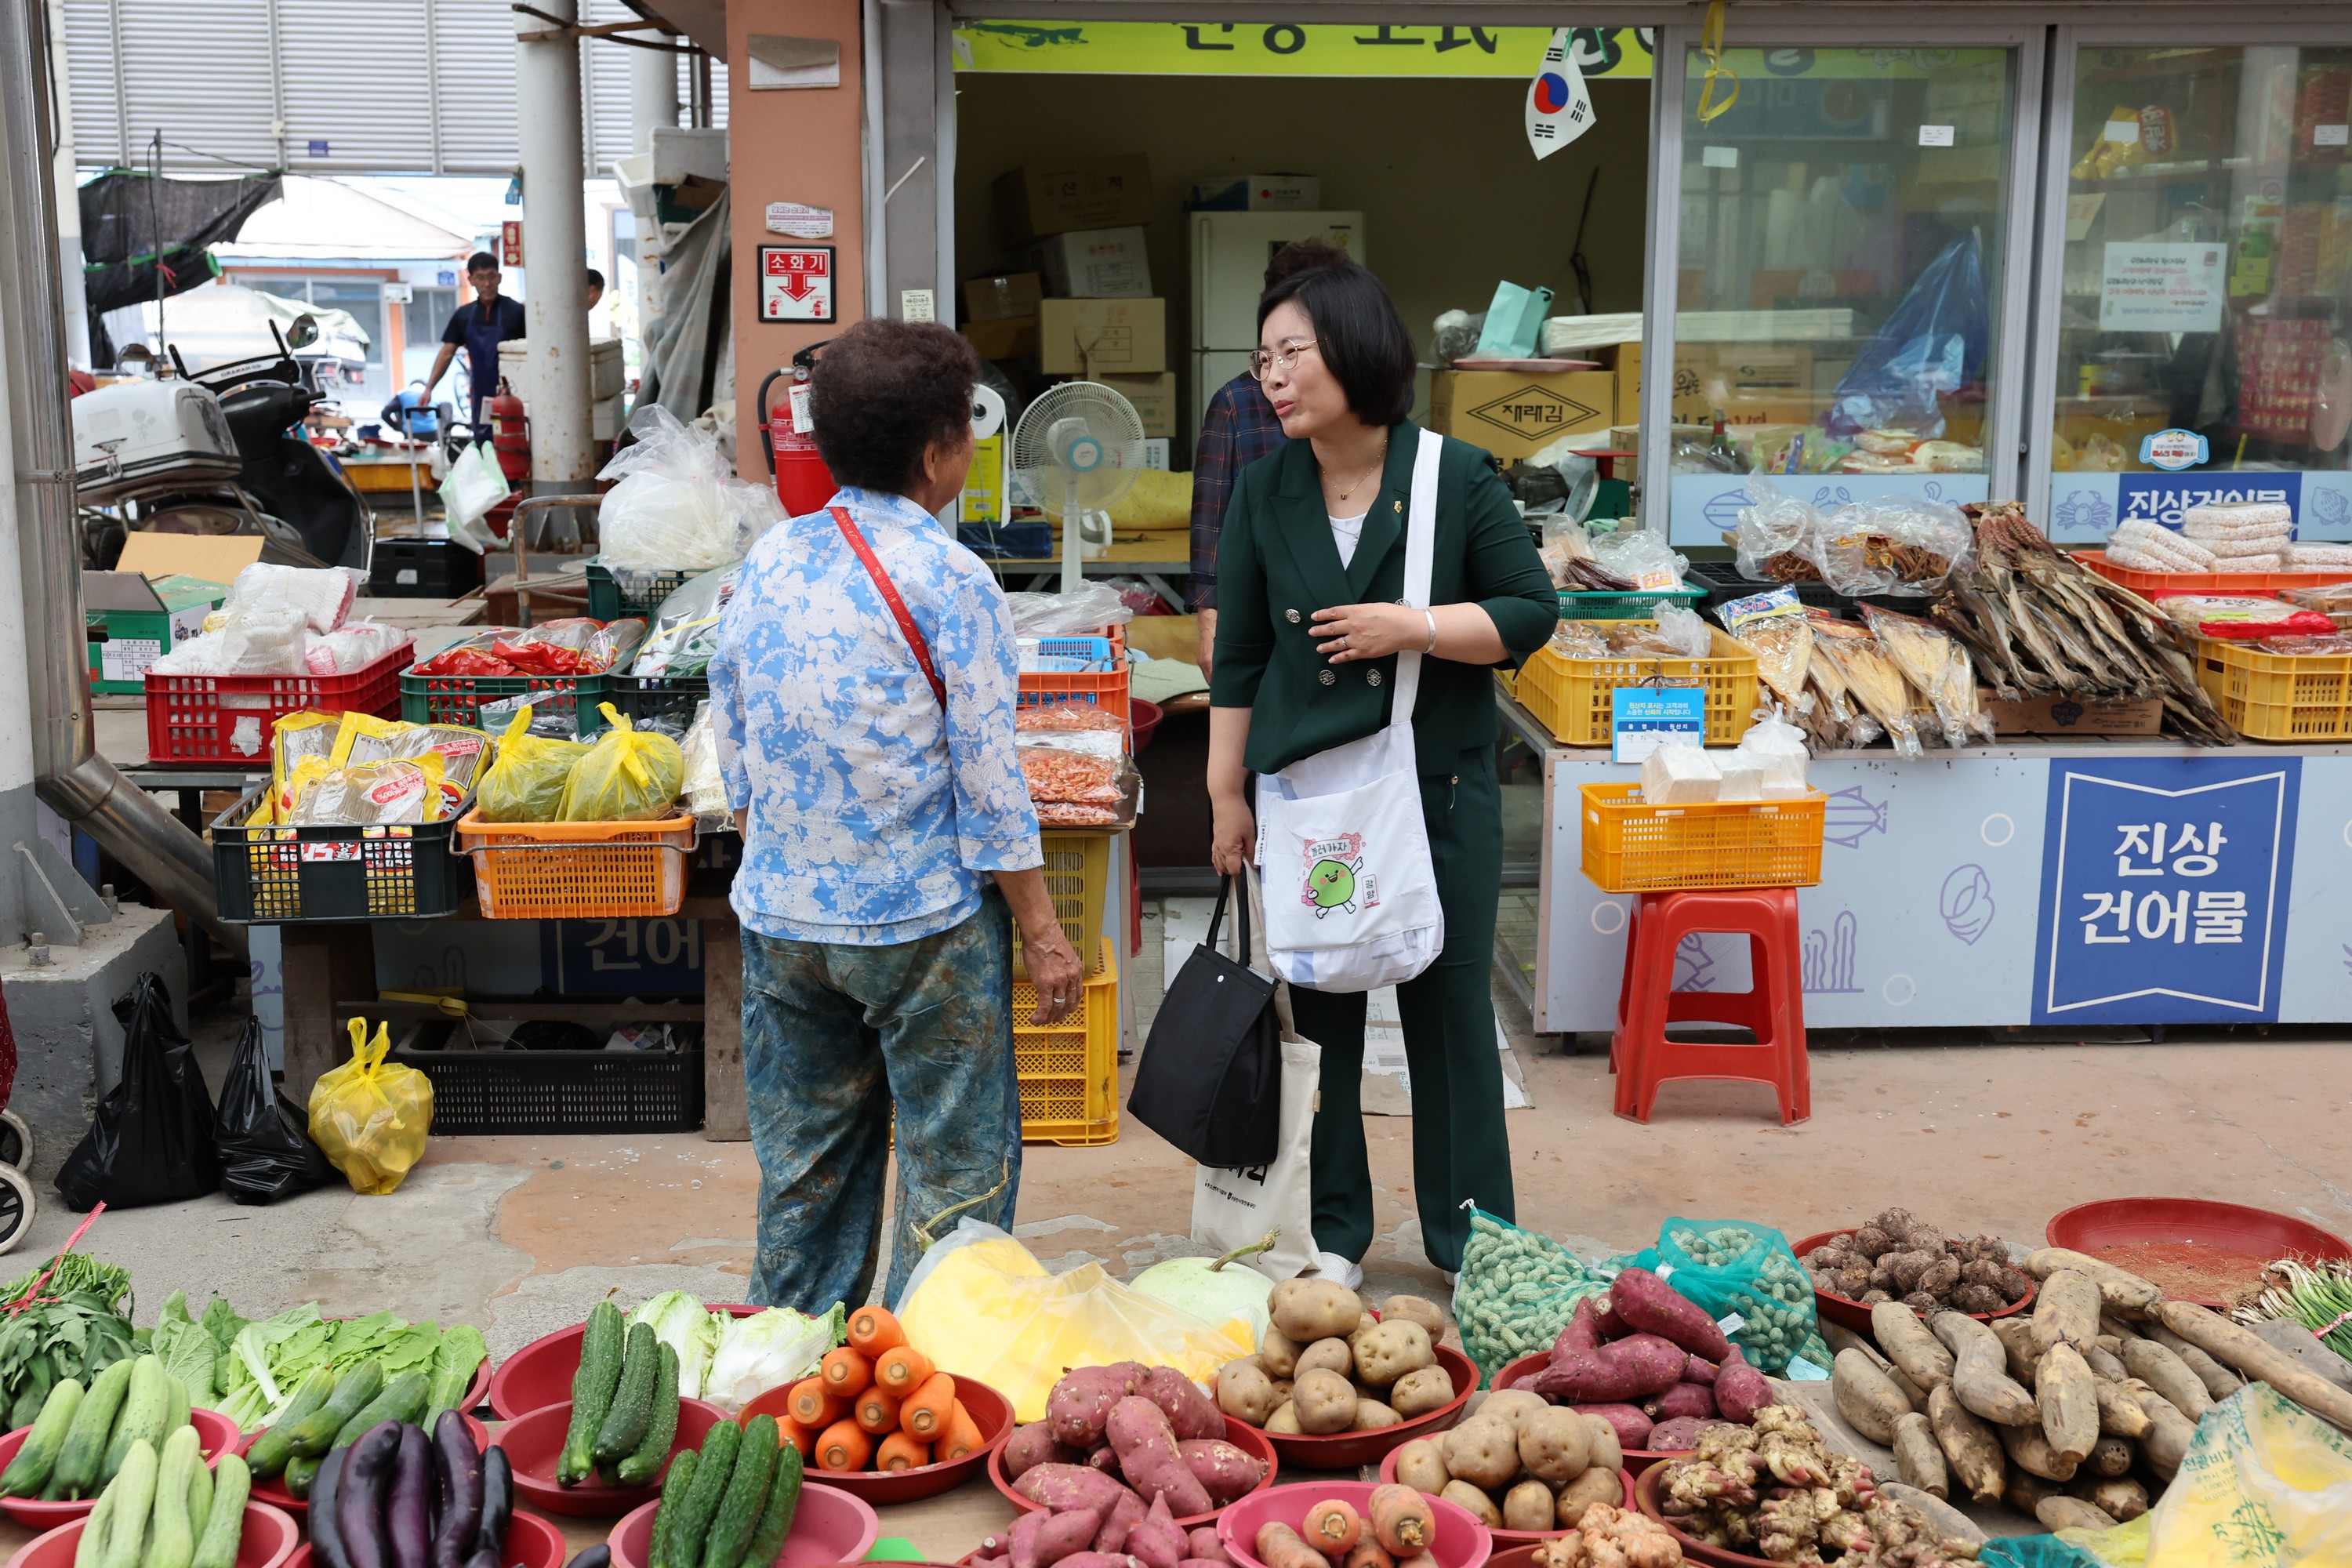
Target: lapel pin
[[1399, 505]]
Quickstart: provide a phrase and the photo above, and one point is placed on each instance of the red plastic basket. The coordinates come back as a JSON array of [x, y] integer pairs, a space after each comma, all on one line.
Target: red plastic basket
[[2152, 584], [229, 718], [1106, 689]]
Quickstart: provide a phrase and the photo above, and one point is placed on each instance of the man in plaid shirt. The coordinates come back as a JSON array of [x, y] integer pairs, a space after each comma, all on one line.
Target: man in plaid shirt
[[1237, 430]]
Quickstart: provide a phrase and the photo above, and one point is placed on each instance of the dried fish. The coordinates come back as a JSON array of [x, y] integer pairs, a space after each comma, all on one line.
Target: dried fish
[[1936, 664], [1874, 681]]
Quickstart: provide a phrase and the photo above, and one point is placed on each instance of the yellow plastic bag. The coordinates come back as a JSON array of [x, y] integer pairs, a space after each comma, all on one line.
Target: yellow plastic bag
[[526, 784], [980, 1303], [372, 1118], [628, 775]]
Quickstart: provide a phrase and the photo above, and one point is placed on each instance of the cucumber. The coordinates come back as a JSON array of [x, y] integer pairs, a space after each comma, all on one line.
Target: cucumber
[[28, 1472], [171, 1544], [232, 1483], [403, 1399], [776, 1518], [633, 1400], [267, 1457], [645, 1462], [746, 1495], [674, 1485], [593, 1387], [200, 1498], [140, 1419], [300, 1472], [75, 1474], [176, 1404], [692, 1527], [94, 1527], [315, 1433], [128, 1532]]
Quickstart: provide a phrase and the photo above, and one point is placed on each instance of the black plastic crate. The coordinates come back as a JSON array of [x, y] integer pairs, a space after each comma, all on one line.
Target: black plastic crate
[[639, 698], [288, 876], [495, 1092], [1723, 582], [422, 569]]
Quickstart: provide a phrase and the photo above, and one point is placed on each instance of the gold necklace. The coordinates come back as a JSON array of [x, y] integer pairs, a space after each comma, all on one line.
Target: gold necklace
[[1377, 464]]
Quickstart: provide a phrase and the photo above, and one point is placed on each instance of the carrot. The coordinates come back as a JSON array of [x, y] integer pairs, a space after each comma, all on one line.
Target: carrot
[[1278, 1546], [791, 1432], [1332, 1528], [842, 1447], [1401, 1520], [846, 1373], [963, 1435], [901, 1452], [902, 1370], [1369, 1553], [872, 1331], [878, 1411], [925, 1412], [812, 1406]]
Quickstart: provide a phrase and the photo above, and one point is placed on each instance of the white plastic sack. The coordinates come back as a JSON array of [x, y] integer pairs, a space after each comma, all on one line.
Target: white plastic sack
[[678, 506], [1642, 558], [349, 649], [323, 595], [1081, 613], [475, 485]]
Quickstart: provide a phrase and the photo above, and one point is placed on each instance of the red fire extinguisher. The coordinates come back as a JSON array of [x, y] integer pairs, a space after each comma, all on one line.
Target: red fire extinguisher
[[513, 438], [803, 481]]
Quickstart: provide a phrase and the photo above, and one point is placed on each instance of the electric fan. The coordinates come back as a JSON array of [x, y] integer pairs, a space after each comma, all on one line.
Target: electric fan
[[1076, 449]]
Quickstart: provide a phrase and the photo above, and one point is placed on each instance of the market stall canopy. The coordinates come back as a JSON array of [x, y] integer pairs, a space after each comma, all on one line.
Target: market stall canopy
[[127, 218], [225, 321], [327, 219]]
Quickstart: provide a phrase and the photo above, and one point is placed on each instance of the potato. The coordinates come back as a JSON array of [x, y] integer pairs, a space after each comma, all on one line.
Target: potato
[[1282, 1386], [1419, 1393], [1416, 1309], [1284, 1420], [1595, 1485], [1331, 1355], [1421, 1466], [1372, 1415], [1325, 1402], [1310, 1309], [1508, 1406], [1527, 1506], [1605, 1452], [1461, 1494], [1483, 1452], [1555, 1446], [1278, 1355], [1245, 1392], [1393, 1350]]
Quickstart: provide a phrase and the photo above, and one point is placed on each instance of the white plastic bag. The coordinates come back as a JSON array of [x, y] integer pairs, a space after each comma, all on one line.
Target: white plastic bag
[[349, 649], [1082, 612], [323, 595], [1678, 772], [1680, 624], [678, 506], [1777, 536], [1775, 748], [1641, 557], [475, 485]]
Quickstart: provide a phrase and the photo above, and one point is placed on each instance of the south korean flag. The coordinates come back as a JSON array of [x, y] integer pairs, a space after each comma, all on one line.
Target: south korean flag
[[1558, 109]]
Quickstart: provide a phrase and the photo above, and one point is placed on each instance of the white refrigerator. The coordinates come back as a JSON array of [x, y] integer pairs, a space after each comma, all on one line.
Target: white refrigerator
[[1230, 254]]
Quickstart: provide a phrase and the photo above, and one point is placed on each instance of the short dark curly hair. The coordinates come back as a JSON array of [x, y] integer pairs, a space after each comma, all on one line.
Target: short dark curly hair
[[884, 391]]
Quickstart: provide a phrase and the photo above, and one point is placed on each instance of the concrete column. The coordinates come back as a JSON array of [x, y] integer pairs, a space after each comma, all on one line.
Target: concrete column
[[652, 94], [547, 110], [77, 318]]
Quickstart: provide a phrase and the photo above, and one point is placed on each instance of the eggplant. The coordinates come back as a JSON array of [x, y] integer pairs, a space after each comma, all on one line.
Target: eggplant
[[457, 1485], [326, 1540], [408, 1529], [497, 1502], [368, 1469], [597, 1556], [487, 1557]]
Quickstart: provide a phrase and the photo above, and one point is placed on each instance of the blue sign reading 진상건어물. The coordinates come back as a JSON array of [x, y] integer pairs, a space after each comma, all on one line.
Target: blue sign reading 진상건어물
[[2164, 890]]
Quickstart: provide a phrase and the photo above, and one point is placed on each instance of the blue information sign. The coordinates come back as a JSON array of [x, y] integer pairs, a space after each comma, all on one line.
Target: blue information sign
[[1641, 716]]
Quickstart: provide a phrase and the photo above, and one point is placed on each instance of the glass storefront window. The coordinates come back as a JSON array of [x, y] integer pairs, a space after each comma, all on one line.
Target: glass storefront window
[[2201, 351], [1842, 229]]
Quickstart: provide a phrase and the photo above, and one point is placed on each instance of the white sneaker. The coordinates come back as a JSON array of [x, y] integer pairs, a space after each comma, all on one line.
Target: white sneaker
[[1450, 1277], [1331, 1266]]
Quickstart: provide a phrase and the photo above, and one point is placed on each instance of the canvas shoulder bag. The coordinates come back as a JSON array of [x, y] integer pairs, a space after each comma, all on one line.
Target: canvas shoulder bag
[[1350, 892], [1210, 1080]]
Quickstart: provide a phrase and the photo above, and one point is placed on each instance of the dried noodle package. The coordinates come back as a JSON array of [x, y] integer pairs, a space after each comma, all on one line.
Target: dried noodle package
[[1774, 628]]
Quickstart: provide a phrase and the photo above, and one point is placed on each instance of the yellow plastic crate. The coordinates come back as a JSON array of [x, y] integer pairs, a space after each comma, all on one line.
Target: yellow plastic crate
[[1077, 875], [1631, 846], [2278, 696], [1569, 697], [1069, 1070]]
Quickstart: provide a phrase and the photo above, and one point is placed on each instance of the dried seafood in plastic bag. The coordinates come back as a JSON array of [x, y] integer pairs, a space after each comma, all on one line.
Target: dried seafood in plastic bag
[[1640, 639], [1681, 626], [1933, 660], [1773, 626], [1872, 678], [1777, 535], [2330, 643], [1069, 778], [1579, 639]]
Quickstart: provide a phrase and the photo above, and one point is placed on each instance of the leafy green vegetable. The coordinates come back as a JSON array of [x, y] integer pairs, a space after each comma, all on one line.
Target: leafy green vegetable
[[77, 1274], [679, 1322], [460, 1356], [221, 1321]]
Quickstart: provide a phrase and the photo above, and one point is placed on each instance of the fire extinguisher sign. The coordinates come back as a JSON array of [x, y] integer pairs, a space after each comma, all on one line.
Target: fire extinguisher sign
[[796, 283]]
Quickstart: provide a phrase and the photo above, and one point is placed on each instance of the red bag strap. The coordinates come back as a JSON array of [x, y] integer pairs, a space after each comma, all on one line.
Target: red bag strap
[[906, 627]]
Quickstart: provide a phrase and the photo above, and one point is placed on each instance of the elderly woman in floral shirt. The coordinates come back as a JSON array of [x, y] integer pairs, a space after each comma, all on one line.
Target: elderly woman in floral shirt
[[864, 691]]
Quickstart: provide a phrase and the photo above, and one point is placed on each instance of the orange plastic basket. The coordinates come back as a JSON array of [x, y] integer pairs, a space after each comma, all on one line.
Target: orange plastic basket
[[1631, 846], [1107, 688], [2153, 583], [1569, 697], [2276, 696], [1069, 1070], [578, 870]]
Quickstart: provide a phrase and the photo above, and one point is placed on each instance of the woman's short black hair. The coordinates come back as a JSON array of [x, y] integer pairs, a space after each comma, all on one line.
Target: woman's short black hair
[[1358, 333], [885, 390]]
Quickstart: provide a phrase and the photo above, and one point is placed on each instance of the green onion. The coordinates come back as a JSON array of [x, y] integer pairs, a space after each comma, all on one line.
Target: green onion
[[2320, 1299]]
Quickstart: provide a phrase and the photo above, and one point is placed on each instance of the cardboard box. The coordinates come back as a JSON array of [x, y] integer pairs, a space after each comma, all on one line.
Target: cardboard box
[[1094, 264], [1154, 397], [1102, 337], [1039, 199], [1256, 193], [1014, 337], [132, 621], [1003, 296], [1514, 413], [214, 557], [2067, 716]]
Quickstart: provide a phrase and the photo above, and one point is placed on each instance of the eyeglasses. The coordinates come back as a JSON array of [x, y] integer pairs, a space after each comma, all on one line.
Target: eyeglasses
[[1261, 360]]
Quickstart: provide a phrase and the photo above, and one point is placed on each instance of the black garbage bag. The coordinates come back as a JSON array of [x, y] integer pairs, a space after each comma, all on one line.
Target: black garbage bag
[[153, 1139], [264, 1152]]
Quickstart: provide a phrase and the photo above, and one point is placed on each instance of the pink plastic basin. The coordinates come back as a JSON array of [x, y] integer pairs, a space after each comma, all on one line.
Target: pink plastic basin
[[830, 1526], [269, 1540], [1462, 1540], [215, 1435]]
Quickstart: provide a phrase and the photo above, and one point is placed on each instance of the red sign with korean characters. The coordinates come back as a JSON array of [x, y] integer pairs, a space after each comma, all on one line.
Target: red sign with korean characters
[[796, 283]]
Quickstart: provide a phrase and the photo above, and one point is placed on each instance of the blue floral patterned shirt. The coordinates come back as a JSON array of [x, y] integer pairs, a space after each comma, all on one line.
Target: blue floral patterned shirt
[[873, 817]]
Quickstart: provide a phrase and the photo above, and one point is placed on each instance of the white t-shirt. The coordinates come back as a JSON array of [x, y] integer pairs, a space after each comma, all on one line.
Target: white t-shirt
[[1345, 534]]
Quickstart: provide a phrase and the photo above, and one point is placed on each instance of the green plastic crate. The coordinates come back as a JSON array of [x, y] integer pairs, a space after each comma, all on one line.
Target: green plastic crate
[[612, 596], [1641, 605], [459, 698]]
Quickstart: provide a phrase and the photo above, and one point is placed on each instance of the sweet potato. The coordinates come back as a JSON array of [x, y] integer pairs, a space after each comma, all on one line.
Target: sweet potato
[[1310, 1309], [1582, 1333], [2030, 1451], [1555, 1446], [1416, 1309], [1148, 1457], [1206, 1562], [1474, 1502], [1631, 1368], [1325, 1402], [1224, 1470], [1080, 1401], [1368, 1553], [1104, 1457], [2166, 1372], [1034, 1445], [1065, 1487], [1866, 1397], [1683, 1399], [1202, 1545], [1402, 1520], [1328, 1355], [1482, 1451], [1908, 1345], [1419, 1393], [1245, 1392], [2067, 1397], [1639, 1298], [1595, 1485], [1278, 1546], [1632, 1427], [2123, 1294], [1527, 1506], [1740, 1390], [1698, 1369], [1040, 1540], [1393, 1350], [1126, 1511], [1974, 1453], [1681, 1435], [1156, 1539], [1097, 1560], [1606, 1323], [1602, 1447], [2066, 1309], [1916, 1455], [1190, 1413], [1332, 1527], [1981, 1372]]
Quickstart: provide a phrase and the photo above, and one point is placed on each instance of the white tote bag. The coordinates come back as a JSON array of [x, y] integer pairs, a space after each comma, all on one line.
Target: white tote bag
[[1350, 893]]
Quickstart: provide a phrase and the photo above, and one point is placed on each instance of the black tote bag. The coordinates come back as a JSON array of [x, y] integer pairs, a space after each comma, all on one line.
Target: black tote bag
[[151, 1140], [1211, 1078]]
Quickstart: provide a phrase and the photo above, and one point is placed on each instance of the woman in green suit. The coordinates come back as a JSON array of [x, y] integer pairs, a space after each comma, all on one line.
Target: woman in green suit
[[1310, 570]]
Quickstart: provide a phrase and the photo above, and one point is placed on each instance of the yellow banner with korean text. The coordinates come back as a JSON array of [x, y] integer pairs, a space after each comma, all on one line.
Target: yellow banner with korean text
[[1290, 48]]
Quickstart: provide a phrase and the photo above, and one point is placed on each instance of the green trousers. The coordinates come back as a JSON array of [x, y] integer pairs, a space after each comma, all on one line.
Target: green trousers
[[1460, 1151]]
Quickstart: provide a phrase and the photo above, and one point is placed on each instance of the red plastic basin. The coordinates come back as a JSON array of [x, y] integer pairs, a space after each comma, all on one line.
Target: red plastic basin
[[1645, 1497], [532, 1542], [2256, 1234], [273, 1490], [1346, 1450], [215, 1435], [1636, 1459], [990, 1411], [1516, 1537], [1239, 1433], [1462, 1542], [830, 1526], [534, 1442], [540, 1373], [269, 1540]]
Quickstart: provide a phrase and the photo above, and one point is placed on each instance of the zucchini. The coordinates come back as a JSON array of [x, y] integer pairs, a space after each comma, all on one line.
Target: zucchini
[[94, 1527], [746, 1495], [128, 1532], [776, 1518], [315, 1433], [300, 1472], [200, 1497], [692, 1527], [28, 1472], [170, 1542], [593, 1387], [75, 1472], [633, 1400], [403, 1399], [674, 1485], [232, 1483], [176, 1404], [267, 1457], [645, 1462], [140, 1419]]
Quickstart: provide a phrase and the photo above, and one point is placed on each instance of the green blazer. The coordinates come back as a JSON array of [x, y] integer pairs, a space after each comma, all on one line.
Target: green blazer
[[1277, 564]]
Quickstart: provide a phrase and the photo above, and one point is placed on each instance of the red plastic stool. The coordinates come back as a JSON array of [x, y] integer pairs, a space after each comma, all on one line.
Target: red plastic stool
[[1641, 1054]]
